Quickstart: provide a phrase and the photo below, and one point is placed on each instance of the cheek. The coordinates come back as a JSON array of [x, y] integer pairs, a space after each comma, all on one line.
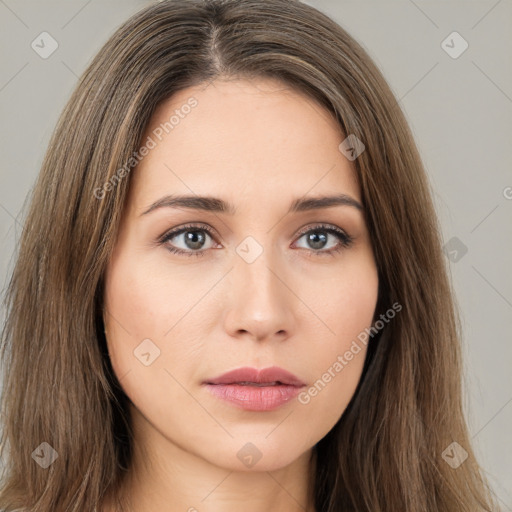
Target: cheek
[[147, 319], [346, 307], [146, 302], [334, 376], [327, 396], [347, 300]]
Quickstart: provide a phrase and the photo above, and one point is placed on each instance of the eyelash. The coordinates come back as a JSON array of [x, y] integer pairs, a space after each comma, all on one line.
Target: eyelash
[[345, 239]]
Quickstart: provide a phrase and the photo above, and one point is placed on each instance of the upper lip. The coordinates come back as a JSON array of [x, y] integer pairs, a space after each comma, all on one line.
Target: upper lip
[[253, 375]]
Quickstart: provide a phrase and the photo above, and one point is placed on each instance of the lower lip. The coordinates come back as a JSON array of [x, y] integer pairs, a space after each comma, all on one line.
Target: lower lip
[[254, 398]]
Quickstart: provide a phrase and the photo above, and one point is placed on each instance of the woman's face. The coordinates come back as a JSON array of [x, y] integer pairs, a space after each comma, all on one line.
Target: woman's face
[[256, 283]]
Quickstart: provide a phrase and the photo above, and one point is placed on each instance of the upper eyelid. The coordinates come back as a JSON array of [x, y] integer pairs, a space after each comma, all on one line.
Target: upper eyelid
[[320, 225], [178, 231]]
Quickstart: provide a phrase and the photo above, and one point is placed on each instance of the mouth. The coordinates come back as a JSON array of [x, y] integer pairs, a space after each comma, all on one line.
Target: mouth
[[255, 390]]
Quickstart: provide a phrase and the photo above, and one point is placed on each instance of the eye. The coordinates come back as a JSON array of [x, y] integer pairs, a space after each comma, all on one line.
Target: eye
[[192, 237], [318, 236]]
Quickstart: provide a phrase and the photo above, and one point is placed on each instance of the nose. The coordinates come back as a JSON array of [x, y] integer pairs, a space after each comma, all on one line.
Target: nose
[[261, 305]]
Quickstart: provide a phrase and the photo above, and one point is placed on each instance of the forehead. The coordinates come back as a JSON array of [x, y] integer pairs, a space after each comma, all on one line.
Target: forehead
[[242, 140]]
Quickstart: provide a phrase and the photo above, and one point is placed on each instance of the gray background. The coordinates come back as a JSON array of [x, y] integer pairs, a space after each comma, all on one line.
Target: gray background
[[459, 110]]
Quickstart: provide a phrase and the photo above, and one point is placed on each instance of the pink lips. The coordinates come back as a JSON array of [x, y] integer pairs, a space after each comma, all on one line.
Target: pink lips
[[256, 390]]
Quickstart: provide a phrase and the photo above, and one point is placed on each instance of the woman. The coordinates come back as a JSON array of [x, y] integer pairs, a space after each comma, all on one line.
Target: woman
[[230, 289]]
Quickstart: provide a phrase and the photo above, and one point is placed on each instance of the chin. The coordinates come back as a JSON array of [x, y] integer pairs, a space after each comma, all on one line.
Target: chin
[[257, 453]]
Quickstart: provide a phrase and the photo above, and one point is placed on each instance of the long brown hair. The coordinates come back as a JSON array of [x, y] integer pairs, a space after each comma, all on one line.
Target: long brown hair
[[385, 453]]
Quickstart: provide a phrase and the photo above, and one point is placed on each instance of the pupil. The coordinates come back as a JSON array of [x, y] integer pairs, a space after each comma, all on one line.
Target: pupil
[[191, 236], [314, 240]]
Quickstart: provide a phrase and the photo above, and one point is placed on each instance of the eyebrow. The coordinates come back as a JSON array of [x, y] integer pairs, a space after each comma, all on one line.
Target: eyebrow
[[214, 204]]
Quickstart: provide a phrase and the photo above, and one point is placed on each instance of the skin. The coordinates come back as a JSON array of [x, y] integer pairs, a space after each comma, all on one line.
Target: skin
[[258, 145]]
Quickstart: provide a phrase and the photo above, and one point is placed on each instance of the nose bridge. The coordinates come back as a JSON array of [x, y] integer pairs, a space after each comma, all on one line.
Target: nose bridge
[[256, 267], [260, 302]]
